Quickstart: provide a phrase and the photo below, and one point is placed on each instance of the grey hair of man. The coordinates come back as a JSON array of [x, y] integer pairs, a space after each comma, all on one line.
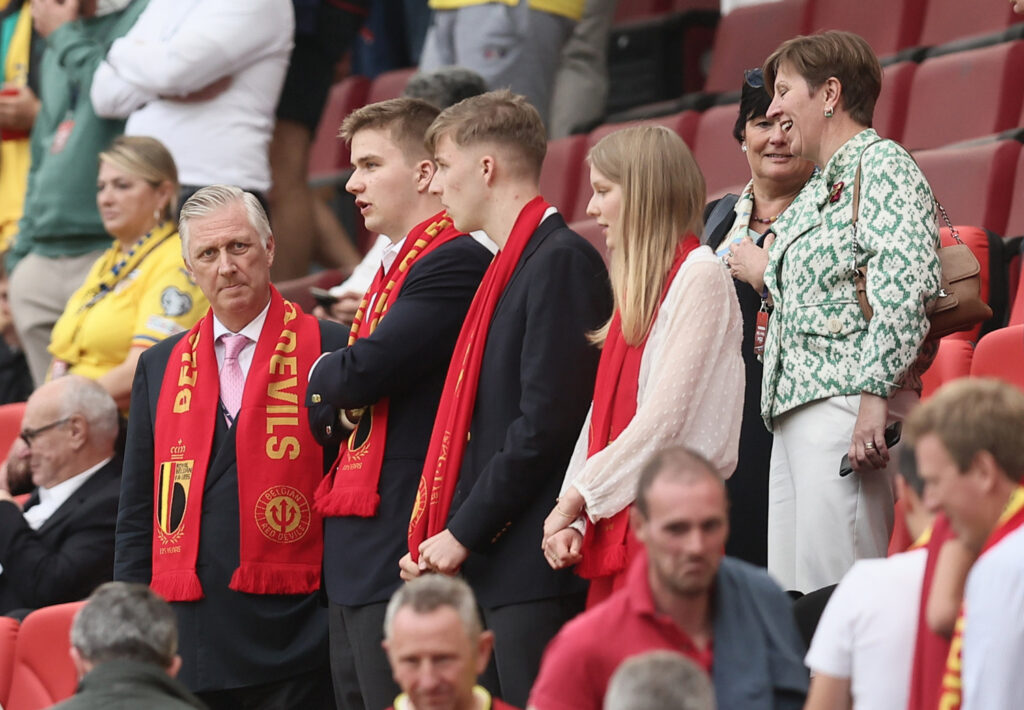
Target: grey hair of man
[[88, 398], [427, 594], [659, 680], [445, 86], [677, 462], [208, 200], [123, 621]]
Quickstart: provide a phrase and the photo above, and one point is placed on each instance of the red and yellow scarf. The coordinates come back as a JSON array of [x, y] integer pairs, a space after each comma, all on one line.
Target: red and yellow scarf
[[615, 391], [351, 487], [279, 462], [458, 398], [952, 688]]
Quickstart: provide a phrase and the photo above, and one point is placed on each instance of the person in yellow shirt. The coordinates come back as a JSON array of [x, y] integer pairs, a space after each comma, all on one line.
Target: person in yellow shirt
[[138, 292]]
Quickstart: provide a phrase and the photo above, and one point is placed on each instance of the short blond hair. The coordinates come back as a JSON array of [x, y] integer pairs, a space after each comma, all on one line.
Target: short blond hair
[[405, 119], [148, 159], [971, 415], [498, 117]]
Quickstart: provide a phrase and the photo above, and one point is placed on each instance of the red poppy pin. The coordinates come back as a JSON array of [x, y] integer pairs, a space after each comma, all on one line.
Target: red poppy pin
[[837, 191]]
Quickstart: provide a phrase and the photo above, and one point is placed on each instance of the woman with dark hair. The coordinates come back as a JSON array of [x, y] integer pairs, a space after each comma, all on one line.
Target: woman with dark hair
[[738, 228], [836, 382]]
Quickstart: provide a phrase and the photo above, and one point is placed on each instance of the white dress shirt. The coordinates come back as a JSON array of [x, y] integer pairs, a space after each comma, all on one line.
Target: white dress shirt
[[252, 331]]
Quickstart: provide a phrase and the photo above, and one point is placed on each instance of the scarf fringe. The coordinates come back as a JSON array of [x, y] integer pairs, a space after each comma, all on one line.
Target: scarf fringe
[[332, 502], [178, 586], [275, 578], [602, 561]]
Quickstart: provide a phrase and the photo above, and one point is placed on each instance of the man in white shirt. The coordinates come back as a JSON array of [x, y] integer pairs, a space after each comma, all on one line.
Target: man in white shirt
[[62, 546], [203, 77], [967, 438], [863, 646]]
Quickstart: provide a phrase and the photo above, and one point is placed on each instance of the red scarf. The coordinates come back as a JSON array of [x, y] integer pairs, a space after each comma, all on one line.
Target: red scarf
[[355, 492], [279, 462], [615, 390], [930, 649], [952, 689], [458, 398]]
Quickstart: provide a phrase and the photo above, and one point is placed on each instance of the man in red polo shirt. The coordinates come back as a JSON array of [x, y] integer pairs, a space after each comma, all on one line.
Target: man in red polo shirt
[[683, 595]]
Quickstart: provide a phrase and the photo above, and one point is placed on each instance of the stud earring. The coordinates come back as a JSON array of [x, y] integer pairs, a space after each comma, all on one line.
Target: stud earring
[[743, 147], [829, 112]]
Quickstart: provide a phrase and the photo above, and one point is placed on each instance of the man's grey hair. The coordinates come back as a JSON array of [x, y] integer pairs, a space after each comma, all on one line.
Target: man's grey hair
[[445, 86], [88, 398], [122, 621], [659, 680], [209, 199], [427, 594]]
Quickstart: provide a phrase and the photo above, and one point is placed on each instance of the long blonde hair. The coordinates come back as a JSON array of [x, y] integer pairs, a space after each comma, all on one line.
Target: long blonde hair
[[663, 198]]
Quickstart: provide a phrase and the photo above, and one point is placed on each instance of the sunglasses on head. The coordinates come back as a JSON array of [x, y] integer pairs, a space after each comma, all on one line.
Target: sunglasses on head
[[754, 78]]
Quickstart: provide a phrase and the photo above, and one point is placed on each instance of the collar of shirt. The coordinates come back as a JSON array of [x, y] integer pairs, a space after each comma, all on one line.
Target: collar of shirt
[[54, 497], [391, 253], [252, 331]]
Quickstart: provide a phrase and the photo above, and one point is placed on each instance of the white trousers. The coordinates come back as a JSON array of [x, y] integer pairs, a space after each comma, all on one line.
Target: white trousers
[[818, 522]]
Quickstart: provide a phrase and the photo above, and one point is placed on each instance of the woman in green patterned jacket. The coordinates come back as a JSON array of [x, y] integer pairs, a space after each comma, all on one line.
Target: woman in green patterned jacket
[[835, 383]]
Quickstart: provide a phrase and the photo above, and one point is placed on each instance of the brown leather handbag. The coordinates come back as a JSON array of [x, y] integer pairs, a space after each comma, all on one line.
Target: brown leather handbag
[[959, 305]]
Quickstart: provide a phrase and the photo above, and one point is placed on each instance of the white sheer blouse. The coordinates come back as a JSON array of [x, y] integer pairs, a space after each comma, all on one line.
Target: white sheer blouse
[[690, 390]]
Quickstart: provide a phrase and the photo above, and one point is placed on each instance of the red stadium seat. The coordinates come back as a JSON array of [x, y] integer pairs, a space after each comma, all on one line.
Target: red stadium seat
[[1001, 354], [8, 647], [592, 232], [389, 85], [1015, 220], [43, 672], [955, 97], [891, 107], [640, 9], [329, 154], [10, 425], [1017, 307], [717, 152], [887, 25], [562, 171], [974, 183], [688, 5], [949, 20], [746, 36], [952, 361]]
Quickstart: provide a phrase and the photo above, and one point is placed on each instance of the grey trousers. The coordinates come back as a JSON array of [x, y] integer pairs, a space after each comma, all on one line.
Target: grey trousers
[[359, 666]]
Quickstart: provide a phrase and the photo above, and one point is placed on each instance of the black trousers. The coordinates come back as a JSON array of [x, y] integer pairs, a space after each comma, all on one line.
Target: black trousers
[[521, 633], [359, 666], [307, 691]]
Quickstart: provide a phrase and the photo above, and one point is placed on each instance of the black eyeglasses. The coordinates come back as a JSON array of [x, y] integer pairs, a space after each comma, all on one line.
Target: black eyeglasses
[[754, 78], [27, 435]]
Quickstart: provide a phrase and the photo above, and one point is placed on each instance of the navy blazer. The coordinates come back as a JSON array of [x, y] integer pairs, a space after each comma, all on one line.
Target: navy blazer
[[227, 639], [70, 554], [405, 359], [536, 384]]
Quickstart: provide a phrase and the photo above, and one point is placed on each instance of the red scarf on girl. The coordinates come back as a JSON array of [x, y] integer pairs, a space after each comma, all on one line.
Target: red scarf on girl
[[354, 491], [615, 391], [279, 461], [458, 398], [952, 688]]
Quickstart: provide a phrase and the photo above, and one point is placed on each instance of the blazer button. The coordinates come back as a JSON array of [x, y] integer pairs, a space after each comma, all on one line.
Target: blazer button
[[316, 399], [834, 325]]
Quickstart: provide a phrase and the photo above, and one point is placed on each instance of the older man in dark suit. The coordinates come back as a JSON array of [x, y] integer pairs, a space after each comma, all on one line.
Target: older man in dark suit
[[62, 546], [518, 389], [220, 470]]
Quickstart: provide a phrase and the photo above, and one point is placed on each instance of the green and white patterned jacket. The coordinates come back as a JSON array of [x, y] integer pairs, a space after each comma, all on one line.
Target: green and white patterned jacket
[[819, 343]]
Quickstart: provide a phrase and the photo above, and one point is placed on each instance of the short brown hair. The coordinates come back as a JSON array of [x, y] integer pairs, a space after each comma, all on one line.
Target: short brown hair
[[973, 414], [843, 55], [406, 119], [499, 117], [678, 462]]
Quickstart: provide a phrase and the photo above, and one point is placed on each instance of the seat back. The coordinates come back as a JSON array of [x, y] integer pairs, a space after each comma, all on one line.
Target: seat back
[[717, 152], [43, 671], [891, 108], [593, 233], [1000, 354], [328, 153], [1015, 219], [8, 646], [887, 25], [952, 361], [746, 36], [389, 85], [964, 95], [562, 170], [949, 20], [10, 424], [974, 183]]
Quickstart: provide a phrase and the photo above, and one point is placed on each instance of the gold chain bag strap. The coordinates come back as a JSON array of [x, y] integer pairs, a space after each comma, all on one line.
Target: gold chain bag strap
[[959, 305]]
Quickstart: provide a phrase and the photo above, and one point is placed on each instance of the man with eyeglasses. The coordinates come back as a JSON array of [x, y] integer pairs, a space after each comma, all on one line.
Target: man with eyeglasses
[[61, 545]]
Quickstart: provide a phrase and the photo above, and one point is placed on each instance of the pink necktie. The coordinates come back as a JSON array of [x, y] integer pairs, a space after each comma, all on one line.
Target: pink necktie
[[232, 381]]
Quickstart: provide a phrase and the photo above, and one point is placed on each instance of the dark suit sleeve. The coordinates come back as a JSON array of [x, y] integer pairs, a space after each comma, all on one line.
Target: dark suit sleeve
[[133, 545], [568, 297], [49, 571], [407, 343]]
